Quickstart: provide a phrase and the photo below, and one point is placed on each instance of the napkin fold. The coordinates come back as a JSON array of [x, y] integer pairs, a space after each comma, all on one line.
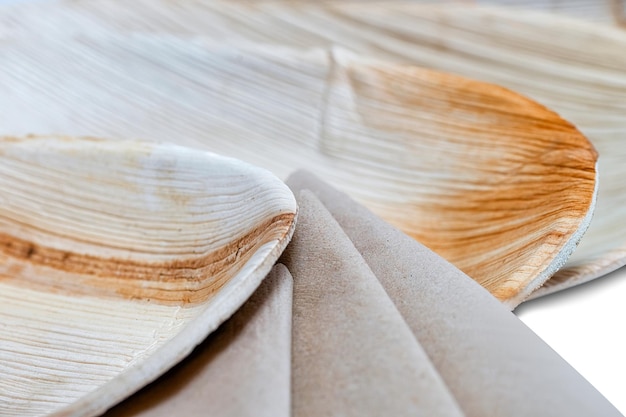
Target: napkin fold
[[352, 353], [491, 362], [242, 369]]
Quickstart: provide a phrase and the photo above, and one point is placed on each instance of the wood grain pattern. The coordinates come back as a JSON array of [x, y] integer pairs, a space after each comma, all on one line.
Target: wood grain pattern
[[117, 258], [534, 53], [443, 157]]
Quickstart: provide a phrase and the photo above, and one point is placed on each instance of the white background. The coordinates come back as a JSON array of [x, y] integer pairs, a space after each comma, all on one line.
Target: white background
[[585, 325]]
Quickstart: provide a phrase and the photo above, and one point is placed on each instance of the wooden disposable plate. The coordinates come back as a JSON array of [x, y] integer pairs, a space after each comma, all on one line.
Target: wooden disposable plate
[[117, 258], [533, 53], [495, 182]]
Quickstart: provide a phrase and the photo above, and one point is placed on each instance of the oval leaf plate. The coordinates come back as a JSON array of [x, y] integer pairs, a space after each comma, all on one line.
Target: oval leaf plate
[[533, 53], [496, 183], [117, 259]]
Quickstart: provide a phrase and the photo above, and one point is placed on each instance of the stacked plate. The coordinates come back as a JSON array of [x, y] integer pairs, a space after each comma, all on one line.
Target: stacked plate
[[121, 254]]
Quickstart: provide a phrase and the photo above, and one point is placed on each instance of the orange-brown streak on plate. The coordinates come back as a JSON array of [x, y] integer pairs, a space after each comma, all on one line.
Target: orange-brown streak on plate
[[181, 281], [520, 220]]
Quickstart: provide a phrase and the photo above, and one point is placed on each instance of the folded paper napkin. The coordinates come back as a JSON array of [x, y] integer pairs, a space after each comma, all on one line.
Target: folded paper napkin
[[348, 344], [381, 326], [352, 353]]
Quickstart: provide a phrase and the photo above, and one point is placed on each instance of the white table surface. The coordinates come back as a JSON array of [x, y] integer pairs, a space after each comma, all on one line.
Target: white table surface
[[583, 324]]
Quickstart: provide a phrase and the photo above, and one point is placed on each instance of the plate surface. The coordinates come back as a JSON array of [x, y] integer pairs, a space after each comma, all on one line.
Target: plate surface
[[496, 183], [117, 259], [533, 53]]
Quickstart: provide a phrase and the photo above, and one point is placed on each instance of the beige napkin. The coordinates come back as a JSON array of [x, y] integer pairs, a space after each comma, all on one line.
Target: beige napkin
[[352, 353], [491, 362], [242, 369]]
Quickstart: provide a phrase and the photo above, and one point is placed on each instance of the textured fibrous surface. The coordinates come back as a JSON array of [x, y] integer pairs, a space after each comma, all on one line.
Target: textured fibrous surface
[[533, 53], [117, 258], [491, 180]]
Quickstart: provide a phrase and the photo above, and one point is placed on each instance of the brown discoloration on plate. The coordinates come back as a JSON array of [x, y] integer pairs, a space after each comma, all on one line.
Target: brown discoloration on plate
[[186, 280], [524, 182]]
